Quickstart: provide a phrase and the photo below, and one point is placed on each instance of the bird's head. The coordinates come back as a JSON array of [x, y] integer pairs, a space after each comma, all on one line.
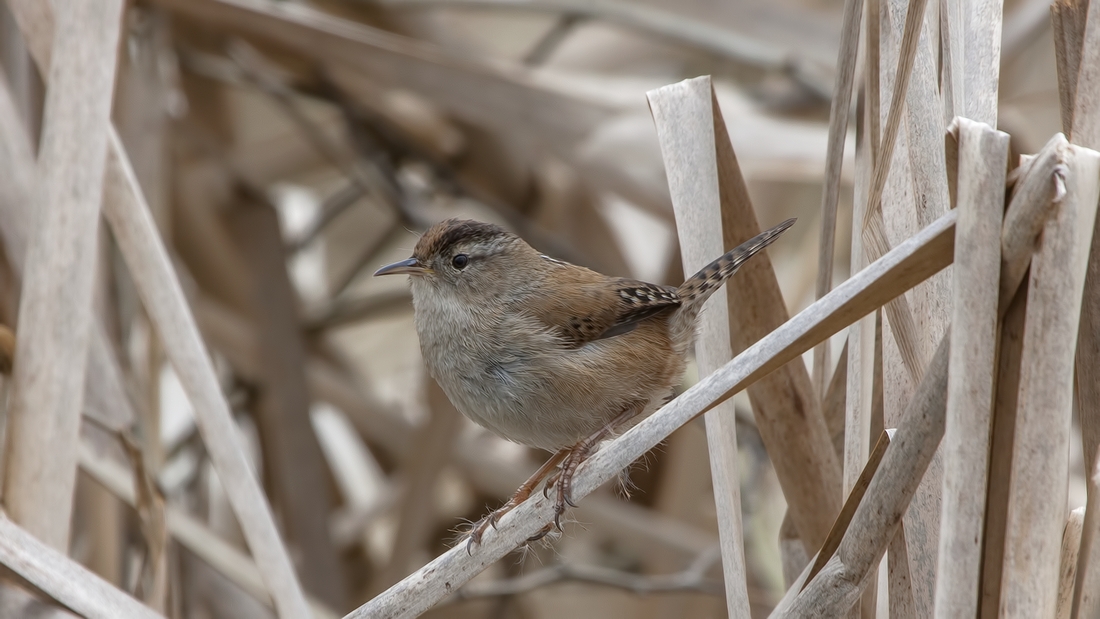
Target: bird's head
[[470, 259]]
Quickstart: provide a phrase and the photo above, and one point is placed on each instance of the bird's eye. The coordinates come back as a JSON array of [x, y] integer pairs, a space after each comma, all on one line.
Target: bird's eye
[[460, 261]]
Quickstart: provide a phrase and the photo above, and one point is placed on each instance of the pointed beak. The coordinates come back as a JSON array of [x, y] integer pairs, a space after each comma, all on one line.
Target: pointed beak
[[410, 266]]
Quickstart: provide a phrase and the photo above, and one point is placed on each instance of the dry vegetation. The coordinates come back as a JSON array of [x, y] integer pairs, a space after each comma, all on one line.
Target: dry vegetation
[[211, 410]]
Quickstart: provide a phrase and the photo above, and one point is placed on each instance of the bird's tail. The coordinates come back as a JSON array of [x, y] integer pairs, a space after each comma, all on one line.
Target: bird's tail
[[701, 285]]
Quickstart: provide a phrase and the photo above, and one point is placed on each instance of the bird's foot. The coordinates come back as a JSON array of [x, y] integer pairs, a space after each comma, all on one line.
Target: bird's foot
[[563, 483], [477, 531]]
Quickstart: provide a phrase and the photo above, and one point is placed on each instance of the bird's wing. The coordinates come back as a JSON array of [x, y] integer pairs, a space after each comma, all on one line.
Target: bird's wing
[[594, 306]]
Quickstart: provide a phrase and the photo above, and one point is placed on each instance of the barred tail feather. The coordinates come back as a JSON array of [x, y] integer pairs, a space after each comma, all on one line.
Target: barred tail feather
[[700, 286]]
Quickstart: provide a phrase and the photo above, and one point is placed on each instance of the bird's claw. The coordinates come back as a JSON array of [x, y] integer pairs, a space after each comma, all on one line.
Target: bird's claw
[[563, 484], [477, 532], [541, 534], [559, 509]]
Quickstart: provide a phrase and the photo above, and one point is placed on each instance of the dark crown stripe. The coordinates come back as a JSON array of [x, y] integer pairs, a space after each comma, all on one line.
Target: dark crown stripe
[[455, 231]]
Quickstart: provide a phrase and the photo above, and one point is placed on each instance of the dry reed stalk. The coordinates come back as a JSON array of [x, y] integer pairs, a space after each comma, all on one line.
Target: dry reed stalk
[[792, 554], [864, 416], [105, 517], [1067, 567], [1068, 18], [871, 98], [924, 138], [875, 521], [872, 228], [983, 153], [861, 335], [1086, 121], [105, 399], [1034, 194], [685, 116], [1086, 596], [298, 479], [1010, 350], [683, 486], [1037, 487], [912, 570], [189, 532], [851, 503], [160, 290], [911, 262], [952, 48], [834, 403], [136, 233], [17, 185], [142, 119], [1086, 387], [1039, 186], [873, 604], [834, 160], [48, 381], [902, 600], [785, 405], [979, 57], [1065, 22], [104, 393], [63, 579], [864, 361], [797, 585], [1084, 96]]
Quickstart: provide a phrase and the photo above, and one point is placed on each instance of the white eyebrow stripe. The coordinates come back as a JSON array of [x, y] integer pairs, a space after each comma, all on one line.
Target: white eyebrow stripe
[[554, 260]]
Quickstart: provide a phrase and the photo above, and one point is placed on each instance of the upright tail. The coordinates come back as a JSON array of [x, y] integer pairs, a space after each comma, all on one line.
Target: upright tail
[[701, 285]]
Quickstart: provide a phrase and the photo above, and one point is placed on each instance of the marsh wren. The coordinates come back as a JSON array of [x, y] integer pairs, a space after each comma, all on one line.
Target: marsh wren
[[546, 353]]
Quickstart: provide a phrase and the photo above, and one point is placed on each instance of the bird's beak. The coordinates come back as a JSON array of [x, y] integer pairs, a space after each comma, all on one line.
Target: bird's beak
[[410, 266]]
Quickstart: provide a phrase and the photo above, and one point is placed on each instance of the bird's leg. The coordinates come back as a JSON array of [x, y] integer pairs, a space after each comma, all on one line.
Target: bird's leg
[[519, 497], [579, 453]]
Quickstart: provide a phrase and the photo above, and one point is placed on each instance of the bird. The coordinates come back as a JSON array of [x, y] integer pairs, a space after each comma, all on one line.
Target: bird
[[546, 353]]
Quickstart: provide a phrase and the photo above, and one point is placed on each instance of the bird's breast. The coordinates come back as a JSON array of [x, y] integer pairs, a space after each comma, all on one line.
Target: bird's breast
[[482, 371], [509, 373]]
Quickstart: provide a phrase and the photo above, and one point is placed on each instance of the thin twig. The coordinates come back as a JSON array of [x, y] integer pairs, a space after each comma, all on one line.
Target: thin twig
[[552, 39], [331, 208], [723, 43], [369, 176], [691, 580]]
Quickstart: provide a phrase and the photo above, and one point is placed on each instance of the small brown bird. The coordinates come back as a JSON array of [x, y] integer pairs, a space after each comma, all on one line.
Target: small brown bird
[[547, 353]]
